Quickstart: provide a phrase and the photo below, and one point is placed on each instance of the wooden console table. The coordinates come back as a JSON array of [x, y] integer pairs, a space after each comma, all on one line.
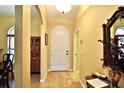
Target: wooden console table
[[94, 82]]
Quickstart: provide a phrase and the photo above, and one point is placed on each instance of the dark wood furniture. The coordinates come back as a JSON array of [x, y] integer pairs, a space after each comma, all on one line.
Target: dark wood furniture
[[110, 45], [35, 54], [6, 67], [9, 56], [90, 77]]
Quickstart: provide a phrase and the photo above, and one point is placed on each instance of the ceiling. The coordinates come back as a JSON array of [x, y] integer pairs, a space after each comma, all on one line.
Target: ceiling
[[53, 13], [9, 10]]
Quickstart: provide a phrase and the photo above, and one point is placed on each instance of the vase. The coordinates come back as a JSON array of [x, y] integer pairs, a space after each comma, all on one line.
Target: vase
[[115, 76]]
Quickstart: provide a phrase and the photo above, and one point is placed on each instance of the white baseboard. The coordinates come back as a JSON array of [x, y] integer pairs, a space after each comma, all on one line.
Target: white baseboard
[[49, 70], [60, 70], [70, 69], [77, 72], [82, 84], [42, 80]]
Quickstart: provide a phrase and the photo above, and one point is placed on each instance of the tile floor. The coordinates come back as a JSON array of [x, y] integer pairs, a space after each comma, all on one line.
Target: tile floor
[[56, 80], [53, 80]]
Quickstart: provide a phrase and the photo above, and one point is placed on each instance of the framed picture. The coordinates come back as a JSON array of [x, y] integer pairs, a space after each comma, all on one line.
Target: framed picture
[[46, 39]]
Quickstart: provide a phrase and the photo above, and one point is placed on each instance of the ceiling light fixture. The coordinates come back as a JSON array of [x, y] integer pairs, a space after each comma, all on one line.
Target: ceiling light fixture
[[63, 8]]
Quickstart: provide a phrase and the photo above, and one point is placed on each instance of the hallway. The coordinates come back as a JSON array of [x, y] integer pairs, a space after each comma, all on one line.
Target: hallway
[[56, 80], [66, 41]]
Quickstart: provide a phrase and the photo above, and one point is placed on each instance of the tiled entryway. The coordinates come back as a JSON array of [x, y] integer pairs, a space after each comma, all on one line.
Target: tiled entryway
[[56, 80]]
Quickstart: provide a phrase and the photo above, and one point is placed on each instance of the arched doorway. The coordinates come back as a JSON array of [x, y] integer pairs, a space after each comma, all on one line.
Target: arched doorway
[[35, 46], [59, 48], [22, 45]]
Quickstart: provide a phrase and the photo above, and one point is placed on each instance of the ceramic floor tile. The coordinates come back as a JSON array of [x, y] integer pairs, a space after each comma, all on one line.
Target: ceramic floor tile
[[56, 80]]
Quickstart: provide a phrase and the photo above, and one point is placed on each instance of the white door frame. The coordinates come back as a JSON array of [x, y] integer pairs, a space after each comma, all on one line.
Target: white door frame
[[74, 47], [68, 65]]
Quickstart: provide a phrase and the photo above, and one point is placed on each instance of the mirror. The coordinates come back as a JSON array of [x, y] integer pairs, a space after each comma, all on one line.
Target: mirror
[[113, 40]]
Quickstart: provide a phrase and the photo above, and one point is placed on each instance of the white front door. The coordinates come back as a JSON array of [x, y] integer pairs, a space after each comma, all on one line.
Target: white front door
[[59, 49]]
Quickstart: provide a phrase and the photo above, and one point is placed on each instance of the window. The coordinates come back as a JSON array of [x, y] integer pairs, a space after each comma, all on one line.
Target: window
[[11, 40]]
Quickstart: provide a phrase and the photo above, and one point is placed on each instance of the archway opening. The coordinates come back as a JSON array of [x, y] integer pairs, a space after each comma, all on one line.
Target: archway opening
[[35, 44]]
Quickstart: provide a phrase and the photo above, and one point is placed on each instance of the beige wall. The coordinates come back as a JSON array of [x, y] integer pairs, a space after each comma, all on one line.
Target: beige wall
[[35, 26], [69, 25], [6, 23], [90, 24]]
